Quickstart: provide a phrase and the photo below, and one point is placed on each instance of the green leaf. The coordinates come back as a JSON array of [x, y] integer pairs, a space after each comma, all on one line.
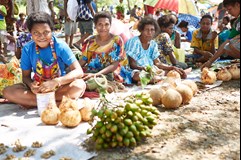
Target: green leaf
[[145, 78]]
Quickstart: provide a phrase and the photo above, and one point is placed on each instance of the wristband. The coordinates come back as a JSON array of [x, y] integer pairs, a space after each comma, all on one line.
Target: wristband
[[58, 81]]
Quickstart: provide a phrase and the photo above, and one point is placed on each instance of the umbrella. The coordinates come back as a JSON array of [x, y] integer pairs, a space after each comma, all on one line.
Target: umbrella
[[192, 20], [178, 6]]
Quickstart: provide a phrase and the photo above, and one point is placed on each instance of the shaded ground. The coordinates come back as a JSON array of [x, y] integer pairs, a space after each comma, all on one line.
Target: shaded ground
[[207, 128]]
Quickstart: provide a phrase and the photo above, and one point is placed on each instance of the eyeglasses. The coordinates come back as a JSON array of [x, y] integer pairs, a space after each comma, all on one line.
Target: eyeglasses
[[149, 30], [38, 34], [203, 23]]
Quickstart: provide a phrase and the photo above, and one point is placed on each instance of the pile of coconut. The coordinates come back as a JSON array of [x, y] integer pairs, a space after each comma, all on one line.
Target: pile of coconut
[[173, 91], [68, 112], [224, 74]]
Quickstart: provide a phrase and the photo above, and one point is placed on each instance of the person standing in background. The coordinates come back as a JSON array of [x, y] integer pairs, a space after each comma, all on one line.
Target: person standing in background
[[70, 27], [60, 5], [120, 10], [3, 13], [133, 12], [157, 15], [9, 4], [86, 25], [149, 10], [21, 23], [46, 6]]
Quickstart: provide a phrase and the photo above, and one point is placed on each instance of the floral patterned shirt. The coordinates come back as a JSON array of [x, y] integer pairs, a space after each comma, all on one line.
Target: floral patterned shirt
[[142, 57], [165, 46], [99, 57]]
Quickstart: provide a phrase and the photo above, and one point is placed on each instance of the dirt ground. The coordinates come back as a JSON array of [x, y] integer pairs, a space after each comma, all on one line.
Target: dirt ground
[[207, 128]]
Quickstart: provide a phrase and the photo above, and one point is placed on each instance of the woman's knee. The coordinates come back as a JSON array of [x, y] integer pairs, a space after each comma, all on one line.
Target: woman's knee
[[8, 92], [79, 83], [78, 86]]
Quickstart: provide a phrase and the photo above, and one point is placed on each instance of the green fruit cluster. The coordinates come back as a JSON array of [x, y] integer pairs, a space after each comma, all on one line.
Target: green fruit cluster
[[124, 126]]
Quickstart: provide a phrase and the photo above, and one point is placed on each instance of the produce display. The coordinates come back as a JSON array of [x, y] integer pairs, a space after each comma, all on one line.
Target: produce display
[[68, 112], [224, 75], [192, 85], [235, 71], [28, 152], [50, 115], [186, 93], [124, 125], [172, 99], [174, 74], [208, 77]]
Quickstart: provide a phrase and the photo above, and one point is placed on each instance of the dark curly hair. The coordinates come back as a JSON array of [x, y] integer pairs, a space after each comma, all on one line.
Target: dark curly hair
[[230, 2], [173, 18], [165, 21], [39, 18], [147, 21], [183, 24], [102, 15], [207, 16]]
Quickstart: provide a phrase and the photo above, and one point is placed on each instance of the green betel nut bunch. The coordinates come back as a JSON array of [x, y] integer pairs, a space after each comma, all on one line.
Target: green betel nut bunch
[[124, 126]]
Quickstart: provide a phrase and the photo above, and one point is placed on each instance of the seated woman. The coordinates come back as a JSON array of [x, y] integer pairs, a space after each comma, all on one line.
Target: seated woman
[[175, 36], [103, 53], [204, 41], [143, 51], [165, 45], [47, 57], [231, 46]]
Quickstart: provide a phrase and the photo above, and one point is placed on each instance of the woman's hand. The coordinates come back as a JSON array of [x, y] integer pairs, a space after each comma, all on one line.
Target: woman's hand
[[208, 64], [35, 87], [49, 86], [181, 72], [87, 76]]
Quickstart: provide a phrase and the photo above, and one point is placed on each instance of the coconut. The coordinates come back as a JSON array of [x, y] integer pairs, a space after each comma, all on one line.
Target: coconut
[[70, 118], [235, 72], [172, 99], [50, 116], [156, 95], [186, 93], [86, 111], [208, 77], [169, 82], [68, 103], [224, 75], [192, 85], [174, 74]]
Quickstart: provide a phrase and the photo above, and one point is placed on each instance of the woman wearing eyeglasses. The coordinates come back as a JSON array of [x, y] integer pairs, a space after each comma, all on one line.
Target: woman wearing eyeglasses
[[47, 57]]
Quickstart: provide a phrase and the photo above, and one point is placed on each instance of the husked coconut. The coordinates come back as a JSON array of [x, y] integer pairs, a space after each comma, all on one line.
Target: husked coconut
[[68, 103], [186, 92], [208, 77], [192, 85], [224, 75], [172, 99], [235, 72], [169, 82], [174, 74], [157, 95], [86, 111], [70, 118], [50, 116]]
